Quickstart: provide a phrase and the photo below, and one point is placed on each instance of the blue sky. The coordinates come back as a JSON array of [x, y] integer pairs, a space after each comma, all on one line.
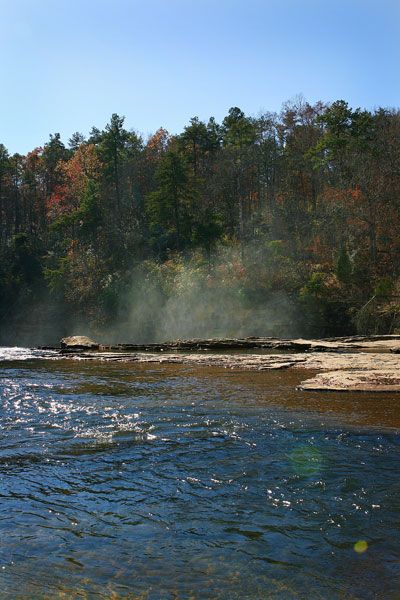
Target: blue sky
[[69, 64]]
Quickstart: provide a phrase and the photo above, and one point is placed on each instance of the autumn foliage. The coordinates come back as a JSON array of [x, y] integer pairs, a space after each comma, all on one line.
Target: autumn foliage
[[304, 203]]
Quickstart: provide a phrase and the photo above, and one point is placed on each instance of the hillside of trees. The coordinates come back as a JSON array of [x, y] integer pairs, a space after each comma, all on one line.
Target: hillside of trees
[[283, 224]]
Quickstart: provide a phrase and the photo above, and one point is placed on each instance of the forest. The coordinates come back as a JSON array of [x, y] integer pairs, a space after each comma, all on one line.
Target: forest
[[282, 224]]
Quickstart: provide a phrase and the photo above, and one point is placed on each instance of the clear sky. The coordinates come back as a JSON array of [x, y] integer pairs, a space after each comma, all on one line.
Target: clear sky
[[69, 64]]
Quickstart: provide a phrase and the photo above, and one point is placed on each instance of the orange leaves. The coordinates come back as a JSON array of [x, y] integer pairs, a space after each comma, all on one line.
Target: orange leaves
[[56, 204], [157, 143], [342, 197], [84, 166], [355, 194]]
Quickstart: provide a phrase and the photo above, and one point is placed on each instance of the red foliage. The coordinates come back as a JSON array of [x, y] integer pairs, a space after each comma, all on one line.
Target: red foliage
[[75, 174]]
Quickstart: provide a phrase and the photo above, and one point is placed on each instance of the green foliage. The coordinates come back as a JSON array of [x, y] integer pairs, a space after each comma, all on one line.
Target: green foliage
[[86, 218], [26, 268], [228, 216], [383, 288], [276, 247], [344, 268], [326, 310], [345, 131], [238, 130], [169, 207], [56, 277], [315, 288]]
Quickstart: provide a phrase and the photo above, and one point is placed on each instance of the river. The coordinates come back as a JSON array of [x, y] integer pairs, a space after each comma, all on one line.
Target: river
[[167, 482]]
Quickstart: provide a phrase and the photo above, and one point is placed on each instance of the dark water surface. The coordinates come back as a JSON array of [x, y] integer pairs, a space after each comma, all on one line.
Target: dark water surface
[[166, 482]]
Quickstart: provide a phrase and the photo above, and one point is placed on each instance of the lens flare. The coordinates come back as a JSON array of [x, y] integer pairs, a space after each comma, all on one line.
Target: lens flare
[[306, 461], [361, 546]]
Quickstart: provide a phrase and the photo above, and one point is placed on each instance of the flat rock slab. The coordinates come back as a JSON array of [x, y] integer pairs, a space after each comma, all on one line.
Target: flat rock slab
[[357, 381], [355, 343], [332, 361], [383, 343], [318, 361], [252, 362]]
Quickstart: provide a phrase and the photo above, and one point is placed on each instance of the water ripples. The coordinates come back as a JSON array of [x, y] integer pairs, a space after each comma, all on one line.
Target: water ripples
[[161, 483]]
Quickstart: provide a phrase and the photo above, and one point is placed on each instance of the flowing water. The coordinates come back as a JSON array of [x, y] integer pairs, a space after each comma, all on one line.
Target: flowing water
[[165, 482]]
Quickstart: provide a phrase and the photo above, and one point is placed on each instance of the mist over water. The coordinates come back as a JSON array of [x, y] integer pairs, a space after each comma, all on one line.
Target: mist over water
[[221, 297], [201, 312], [235, 292]]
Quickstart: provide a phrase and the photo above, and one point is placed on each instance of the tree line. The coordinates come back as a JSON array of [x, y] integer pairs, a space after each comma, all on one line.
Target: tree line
[[303, 203]]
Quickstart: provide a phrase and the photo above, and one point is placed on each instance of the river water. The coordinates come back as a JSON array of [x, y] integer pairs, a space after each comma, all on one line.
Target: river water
[[165, 482]]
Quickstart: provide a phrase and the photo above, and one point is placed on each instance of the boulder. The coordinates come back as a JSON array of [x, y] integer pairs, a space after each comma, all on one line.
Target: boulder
[[78, 342]]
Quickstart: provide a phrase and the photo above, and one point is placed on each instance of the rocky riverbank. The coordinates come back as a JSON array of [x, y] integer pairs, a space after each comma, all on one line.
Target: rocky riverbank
[[339, 344], [369, 364]]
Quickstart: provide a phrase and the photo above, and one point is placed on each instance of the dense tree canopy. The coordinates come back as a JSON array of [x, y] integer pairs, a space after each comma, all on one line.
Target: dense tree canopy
[[303, 205]]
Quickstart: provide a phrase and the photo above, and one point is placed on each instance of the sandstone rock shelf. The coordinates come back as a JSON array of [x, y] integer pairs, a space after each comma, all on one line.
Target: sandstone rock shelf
[[368, 364], [354, 381]]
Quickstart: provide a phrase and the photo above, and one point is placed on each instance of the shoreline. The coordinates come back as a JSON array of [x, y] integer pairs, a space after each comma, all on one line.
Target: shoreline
[[357, 363]]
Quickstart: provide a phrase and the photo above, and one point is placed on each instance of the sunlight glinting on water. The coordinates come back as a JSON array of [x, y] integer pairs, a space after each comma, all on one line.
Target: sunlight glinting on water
[[163, 482]]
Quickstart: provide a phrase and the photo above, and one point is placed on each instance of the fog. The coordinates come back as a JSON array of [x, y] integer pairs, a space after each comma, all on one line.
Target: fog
[[231, 293], [200, 298]]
